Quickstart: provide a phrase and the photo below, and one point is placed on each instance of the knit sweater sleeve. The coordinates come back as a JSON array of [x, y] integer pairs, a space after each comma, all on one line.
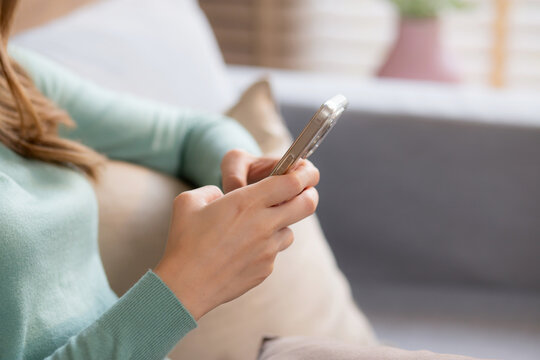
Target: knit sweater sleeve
[[181, 142], [143, 324]]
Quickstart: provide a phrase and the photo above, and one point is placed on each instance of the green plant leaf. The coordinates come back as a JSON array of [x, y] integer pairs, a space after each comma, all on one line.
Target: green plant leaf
[[428, 8]]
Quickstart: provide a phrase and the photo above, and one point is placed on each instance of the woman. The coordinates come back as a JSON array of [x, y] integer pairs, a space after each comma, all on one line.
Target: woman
[[55, 302]]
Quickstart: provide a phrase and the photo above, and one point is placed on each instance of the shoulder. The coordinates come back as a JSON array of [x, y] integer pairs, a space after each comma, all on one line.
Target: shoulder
[[51, 78]]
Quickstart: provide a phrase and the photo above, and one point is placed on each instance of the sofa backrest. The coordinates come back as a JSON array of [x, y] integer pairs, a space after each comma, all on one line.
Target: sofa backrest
[[426, 184]]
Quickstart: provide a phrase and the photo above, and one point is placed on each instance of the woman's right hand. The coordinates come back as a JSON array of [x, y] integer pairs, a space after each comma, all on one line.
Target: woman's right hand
[[221, 246]]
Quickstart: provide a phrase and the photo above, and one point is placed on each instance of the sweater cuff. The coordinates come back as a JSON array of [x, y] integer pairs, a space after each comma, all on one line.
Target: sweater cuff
[[150, 318]]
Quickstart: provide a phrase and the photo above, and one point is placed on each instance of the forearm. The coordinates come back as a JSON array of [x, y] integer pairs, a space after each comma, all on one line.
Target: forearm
[[180, 142], [207, 144], [144, 324]]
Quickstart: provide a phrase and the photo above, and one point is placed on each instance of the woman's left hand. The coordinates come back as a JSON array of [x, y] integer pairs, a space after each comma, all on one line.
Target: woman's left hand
[[239, 168]]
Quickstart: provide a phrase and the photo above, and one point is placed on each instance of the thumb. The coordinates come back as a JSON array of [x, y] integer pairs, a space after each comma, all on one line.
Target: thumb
[[234, 170]]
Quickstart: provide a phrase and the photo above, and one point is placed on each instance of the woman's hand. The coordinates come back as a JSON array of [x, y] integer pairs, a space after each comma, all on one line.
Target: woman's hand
[[221, 246], [239, 168]]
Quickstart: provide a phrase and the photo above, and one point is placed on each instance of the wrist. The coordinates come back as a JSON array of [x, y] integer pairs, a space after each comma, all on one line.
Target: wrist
[[185, 293]]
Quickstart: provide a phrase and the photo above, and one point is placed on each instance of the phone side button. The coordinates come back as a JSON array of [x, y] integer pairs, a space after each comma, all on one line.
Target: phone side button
[[285, 164], [288, 161]]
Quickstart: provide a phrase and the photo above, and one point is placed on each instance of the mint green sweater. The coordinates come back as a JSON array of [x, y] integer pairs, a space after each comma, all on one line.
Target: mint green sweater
[[55, 301]]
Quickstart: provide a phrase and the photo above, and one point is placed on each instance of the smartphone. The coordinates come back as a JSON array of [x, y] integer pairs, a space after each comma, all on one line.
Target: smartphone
[[313, 134]]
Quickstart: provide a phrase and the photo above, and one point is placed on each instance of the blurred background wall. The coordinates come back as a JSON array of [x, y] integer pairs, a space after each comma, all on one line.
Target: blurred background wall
[[37, 12], [495, 42]]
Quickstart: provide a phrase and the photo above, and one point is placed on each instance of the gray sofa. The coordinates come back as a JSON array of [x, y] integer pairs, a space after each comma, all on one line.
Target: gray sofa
[[430, 199]]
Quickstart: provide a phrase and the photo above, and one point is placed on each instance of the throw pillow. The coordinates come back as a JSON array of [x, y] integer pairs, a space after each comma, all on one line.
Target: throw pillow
[[258, 113]]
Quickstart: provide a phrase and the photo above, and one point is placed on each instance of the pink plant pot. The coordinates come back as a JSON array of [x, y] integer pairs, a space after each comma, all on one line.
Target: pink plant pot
[[419, 53]]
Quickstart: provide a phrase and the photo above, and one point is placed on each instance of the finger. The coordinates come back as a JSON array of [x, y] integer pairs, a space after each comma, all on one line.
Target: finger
[[260, 169], [299, 163], [234, 169], [208, 193], [284, 238], [278, 189], [198, 198], [296, 209]]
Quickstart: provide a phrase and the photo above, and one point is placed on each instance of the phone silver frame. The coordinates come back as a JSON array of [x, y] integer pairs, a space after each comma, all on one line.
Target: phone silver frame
[[313, 134]]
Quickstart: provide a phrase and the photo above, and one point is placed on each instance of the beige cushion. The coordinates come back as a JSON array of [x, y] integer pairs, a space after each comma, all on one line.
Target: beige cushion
[[301, 348], [258, 113], [134, 209], [306, 294]]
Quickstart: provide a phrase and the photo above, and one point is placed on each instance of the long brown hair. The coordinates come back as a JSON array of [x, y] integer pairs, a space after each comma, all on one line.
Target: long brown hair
[[28, 120]]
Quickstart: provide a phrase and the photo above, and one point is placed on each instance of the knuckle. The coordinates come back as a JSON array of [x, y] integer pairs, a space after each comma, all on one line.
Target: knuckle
[[234, 153], [288, 239], [289, 235], [232, 179], [230, 157], [213, 188], [310, 203], [271, 253], [316, 174], [267, 256], [183, 198], [313, 172], [287, 244], [268, 270], [295, 183]]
